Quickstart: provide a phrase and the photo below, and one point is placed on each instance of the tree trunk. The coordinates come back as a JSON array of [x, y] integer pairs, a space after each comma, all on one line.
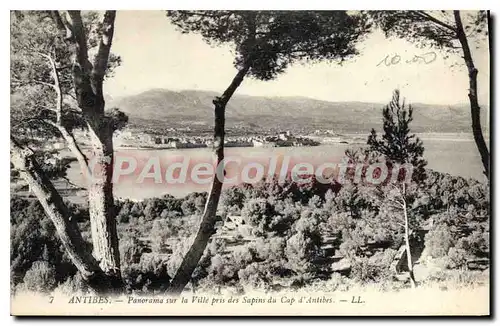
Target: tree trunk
[[407, 243], [55, 208], [101, 206], [88, 87], [474, 104], [207, 225], [88, 84]]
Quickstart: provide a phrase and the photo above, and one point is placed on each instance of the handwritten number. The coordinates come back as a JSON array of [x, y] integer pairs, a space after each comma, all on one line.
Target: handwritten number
[[431, 57], [51, 299], [387, 61], [384, 61], [395, 59], [425, 58]]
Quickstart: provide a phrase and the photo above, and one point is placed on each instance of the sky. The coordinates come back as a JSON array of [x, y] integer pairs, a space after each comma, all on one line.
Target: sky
[[156, 55]]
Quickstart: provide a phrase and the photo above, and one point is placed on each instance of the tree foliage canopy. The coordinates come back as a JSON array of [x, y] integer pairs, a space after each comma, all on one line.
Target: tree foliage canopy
[[269, 41], [430, 28], [41, 66], [397, 144]]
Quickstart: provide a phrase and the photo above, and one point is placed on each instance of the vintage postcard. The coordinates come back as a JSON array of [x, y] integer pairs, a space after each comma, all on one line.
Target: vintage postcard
[[262, 163]]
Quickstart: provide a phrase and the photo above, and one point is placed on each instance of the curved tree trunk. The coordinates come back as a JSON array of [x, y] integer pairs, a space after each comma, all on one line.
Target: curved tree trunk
[[474, 104], [207, 225], [55, 208]]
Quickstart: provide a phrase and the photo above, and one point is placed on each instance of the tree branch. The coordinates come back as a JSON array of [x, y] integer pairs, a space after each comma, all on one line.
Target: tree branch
[[102, 57], [79, 40], [44, 83], [238, 79], [72, 25], [21, 83], [68, 136], [56, 86], [235, 83], [433, 19], [69, 182], [73, 146], [60, 23]]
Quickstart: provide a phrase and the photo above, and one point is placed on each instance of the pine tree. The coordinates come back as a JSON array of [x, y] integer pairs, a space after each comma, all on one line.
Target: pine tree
[[398, 146]]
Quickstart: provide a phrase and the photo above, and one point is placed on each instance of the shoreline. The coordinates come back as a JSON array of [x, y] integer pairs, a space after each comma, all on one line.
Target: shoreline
[[342, 139]]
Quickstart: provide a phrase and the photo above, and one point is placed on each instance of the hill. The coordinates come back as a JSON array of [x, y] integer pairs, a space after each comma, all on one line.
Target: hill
[[161, 108]]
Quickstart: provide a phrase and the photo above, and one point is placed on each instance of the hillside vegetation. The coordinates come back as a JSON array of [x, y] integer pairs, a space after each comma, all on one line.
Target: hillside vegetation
[[274, 236]]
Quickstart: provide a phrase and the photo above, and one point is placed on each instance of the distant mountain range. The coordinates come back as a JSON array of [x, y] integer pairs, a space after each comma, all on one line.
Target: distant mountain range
[[165, 108]]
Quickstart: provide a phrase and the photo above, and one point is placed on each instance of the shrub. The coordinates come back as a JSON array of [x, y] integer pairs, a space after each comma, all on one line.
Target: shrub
[[268, 249], [222, 270], [233, 199], [352, 241], [179, 249], [160, 233], [256, 212], [315, 201], [34, 238], [123, 218], [188, 207], [362, 270], [244, 255], [149, 276], [41, 277], [256, 275], [74, 285], [439, 240], [373, 269], [300, 247], [457, 258], [301, 251], [479, 243], [131, 250], [194, 203]]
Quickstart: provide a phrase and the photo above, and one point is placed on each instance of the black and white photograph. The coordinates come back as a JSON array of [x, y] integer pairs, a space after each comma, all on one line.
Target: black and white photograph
[[250, 162]]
